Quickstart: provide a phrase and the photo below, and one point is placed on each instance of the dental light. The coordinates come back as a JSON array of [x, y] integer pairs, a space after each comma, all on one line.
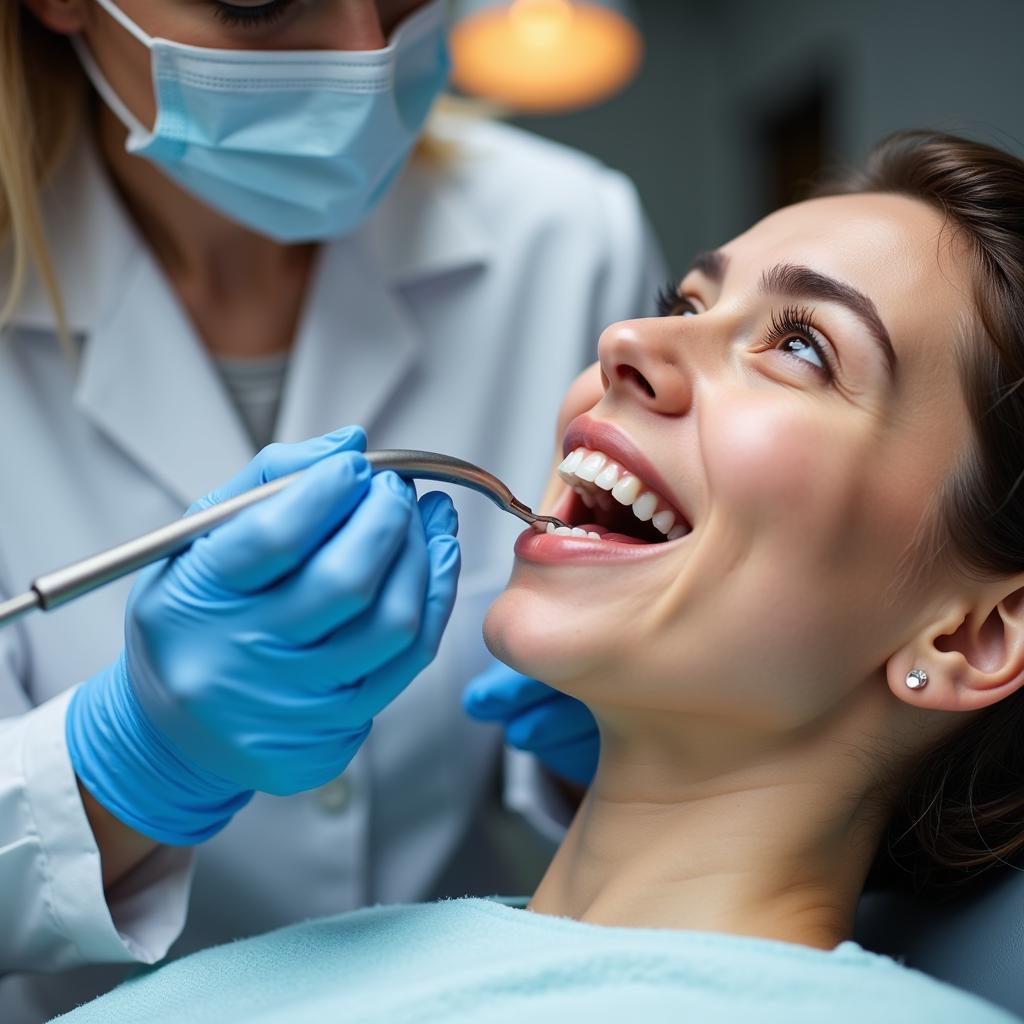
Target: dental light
[[544, 56]]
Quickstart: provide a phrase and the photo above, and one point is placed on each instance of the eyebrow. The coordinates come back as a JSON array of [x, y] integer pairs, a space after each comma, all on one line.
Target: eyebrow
[[711, 263], [805, 283]]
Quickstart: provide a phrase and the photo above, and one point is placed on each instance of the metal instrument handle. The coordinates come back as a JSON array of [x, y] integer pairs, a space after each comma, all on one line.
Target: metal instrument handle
[[53, 589]]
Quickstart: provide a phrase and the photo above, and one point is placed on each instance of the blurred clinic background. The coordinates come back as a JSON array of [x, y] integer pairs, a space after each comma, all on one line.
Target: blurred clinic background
[[738, 104]]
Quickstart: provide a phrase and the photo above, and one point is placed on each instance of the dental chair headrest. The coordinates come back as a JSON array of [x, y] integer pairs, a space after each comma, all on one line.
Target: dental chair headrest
[[975, 942]]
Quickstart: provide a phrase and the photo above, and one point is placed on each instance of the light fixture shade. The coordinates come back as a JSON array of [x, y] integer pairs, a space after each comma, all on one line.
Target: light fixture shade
[[544, 56]]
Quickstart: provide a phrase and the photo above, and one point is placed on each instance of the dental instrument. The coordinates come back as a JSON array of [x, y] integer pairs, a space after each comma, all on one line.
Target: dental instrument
[[56, 588]]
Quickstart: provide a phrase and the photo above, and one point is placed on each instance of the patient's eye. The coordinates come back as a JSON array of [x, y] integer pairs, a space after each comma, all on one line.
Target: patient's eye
[[794, 333], [671, 303], [802, 350]]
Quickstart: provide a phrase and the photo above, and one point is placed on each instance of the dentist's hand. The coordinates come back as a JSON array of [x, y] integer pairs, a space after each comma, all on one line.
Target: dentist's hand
[[257, 659], [559, 729]]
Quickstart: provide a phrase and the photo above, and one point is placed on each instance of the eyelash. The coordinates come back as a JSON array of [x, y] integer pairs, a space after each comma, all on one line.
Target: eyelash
[[793, 321], [669, 300], [249, 17]]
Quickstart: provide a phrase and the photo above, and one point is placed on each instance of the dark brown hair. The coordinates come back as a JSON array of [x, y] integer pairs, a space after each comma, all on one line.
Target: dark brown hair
[[963, 810]]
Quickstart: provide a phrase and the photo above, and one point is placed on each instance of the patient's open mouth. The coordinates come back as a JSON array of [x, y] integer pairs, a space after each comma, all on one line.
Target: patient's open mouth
[[610, 501]]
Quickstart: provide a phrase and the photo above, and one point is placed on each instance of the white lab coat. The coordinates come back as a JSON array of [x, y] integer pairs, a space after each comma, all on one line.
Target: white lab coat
[[452, 321]]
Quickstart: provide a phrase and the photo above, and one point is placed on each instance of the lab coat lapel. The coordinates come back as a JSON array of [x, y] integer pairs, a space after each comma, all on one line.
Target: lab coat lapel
[[356, 345], [360, 339], [144, 379], [148, 384]]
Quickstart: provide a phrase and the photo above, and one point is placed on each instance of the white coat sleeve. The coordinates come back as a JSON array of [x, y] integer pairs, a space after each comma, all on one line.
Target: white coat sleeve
[[632, 271], [53, 912]]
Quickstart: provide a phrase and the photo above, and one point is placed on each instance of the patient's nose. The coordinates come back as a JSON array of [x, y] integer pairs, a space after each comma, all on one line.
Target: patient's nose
[[642, 360]]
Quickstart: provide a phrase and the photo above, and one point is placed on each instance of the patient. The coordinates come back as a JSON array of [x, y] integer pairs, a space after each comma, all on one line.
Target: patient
[[800, 628]]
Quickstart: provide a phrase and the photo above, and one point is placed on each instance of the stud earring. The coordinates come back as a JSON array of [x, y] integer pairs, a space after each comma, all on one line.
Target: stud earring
[[917, 679]]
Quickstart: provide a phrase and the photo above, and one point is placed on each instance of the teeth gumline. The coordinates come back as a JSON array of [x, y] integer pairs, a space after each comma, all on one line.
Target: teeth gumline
[[602, 474], [571, 531]]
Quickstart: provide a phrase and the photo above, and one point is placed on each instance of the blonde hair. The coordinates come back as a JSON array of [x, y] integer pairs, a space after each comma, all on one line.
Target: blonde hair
[[42, 92]]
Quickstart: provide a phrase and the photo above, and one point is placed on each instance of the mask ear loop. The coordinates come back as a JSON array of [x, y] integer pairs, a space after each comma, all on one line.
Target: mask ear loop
[[126, 23], [99, 80], [106, 90]]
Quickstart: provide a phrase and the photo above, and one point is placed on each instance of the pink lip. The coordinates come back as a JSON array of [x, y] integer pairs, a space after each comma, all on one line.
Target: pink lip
[[551, 549], [587, 432]]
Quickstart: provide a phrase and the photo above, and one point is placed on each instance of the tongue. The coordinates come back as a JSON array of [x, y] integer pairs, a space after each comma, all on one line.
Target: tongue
[[613, 538]]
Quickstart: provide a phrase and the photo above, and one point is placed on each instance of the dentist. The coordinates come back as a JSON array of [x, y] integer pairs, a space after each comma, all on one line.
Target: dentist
[[224, 224]]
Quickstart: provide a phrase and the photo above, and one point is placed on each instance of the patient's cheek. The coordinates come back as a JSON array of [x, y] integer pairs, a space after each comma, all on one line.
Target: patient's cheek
[[767, 461], [583, 394]]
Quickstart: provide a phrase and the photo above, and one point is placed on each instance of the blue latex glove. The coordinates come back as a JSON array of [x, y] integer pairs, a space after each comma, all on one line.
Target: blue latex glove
[[257, 659], [559, 729]]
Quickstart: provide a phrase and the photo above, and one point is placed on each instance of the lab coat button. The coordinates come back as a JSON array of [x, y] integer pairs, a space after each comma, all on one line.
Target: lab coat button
[[335, 796]]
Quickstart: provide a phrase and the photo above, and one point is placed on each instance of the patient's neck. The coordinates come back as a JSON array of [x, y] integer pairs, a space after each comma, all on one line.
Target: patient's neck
[[694, 827]]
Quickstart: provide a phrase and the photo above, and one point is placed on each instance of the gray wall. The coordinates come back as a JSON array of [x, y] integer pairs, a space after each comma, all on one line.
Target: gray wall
[[686, 130]]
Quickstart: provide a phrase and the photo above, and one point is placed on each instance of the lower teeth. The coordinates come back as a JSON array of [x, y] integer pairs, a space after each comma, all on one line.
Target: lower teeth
[[572, 531]]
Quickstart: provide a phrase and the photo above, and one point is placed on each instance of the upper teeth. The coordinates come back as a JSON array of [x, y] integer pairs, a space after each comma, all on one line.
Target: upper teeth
[[594, 467]]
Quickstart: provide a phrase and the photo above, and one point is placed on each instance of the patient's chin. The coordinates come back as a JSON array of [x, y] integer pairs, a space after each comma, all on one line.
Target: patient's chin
[[529, 636], [503, 629]]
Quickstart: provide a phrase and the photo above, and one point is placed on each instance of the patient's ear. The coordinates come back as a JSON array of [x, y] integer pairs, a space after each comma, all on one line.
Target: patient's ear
[[974, 655]]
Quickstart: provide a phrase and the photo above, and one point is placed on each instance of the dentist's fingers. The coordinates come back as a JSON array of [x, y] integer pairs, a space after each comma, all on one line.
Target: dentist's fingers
[[439, 515], [270, 540], [277, 460], [556, 722], [393, 623], [343, 578], [500, 692], [385, 629], [380, 689], [575, 761], [559, 729]]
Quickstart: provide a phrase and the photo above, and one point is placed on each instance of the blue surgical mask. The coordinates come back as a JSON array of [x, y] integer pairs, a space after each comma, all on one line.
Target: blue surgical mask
[[297, 145]]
